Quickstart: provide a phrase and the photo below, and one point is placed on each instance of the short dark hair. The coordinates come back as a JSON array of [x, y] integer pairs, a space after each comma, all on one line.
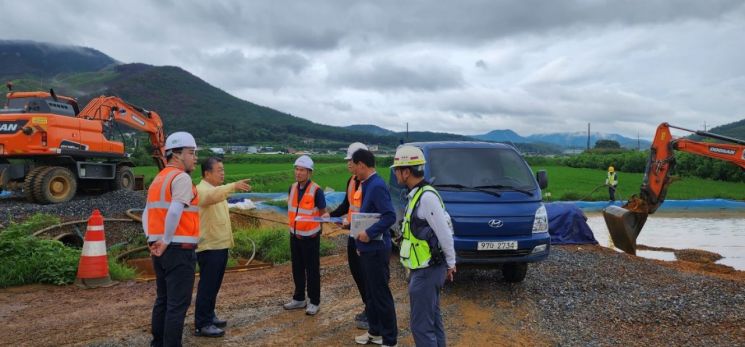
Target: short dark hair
[[416, 171], [364, 156], [209, 163], [171, 152]]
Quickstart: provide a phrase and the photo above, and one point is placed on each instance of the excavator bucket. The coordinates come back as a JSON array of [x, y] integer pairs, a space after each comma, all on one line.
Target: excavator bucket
[[624, 227]]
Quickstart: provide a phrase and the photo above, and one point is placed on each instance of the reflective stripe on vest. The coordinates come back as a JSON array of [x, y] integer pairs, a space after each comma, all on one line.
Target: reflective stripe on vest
[[612, 178], [159, 199], [415, 253], [306, 208], [354, 197]]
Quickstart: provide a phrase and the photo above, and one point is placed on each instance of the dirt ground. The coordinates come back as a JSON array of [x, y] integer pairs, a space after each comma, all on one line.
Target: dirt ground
[[479, 308]]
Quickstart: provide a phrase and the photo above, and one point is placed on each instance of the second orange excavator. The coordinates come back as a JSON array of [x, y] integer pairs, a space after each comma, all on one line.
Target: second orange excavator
[[49, 148], [626, 222]]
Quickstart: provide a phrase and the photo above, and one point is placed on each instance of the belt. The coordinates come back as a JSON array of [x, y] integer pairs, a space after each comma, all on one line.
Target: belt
[[179, 245], [301, 237]]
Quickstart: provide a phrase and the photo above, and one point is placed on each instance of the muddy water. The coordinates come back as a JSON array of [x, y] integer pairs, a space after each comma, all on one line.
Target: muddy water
[[722, 233]]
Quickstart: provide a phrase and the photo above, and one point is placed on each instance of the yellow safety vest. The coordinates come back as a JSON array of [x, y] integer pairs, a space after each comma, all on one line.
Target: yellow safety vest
[[415, 253]]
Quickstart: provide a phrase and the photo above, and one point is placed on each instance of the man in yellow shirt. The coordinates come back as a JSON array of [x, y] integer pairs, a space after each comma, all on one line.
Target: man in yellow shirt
[[217, 238]]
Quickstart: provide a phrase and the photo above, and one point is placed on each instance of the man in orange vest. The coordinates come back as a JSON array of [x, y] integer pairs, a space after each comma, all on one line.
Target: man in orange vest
[[305, 199], [351, 204], [171, 224]]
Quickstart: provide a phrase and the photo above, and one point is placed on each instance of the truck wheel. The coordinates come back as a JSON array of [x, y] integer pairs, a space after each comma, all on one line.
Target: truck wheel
[[514, 272], [28, 183], [125, 179], [56, 184]]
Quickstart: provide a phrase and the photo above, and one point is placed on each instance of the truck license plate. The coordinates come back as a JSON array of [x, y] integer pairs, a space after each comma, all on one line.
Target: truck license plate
[[496, 246]]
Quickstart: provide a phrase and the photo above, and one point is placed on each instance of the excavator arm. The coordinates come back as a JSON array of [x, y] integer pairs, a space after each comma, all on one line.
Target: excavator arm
[[114, 109], [626, 222]]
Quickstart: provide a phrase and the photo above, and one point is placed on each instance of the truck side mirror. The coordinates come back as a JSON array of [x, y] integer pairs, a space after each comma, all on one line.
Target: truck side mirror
[[542, 178]]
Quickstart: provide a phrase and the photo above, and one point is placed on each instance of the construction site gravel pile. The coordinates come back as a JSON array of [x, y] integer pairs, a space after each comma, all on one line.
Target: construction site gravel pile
[[112, 205], [579, 296]]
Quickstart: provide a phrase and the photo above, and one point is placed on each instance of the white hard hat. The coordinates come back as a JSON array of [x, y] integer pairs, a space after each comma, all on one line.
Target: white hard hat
[[180, 139], [408, 156], [354, 148], [304, 161]]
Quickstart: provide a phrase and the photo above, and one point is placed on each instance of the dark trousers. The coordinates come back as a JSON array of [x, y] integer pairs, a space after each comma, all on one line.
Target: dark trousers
[[424, 297], [306, 264], [612, 193], [381, 311], [212, 265], [356, 268], [174, 278]]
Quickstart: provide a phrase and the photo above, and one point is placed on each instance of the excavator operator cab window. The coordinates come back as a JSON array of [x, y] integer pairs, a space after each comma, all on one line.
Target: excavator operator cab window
[[39, 105]]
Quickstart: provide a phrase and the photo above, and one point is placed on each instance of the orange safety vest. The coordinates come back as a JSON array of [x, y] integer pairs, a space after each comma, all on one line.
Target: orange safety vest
[[354, 196], [159, 200], [306, 208]]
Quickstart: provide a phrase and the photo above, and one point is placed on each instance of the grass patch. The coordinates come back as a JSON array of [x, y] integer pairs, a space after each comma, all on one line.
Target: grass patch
[[25, 259], [120, 271], [272, 244], [568, 183]]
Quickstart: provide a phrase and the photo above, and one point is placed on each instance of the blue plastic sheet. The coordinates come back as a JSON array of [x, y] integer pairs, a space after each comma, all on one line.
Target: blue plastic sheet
[[672, 205], [567, 225]]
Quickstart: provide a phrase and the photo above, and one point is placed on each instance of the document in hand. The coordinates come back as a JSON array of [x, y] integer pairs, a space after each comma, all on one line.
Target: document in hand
[[319, 219], [362, 221]]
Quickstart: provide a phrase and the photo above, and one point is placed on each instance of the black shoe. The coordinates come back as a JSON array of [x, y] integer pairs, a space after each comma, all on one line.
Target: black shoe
[[361, 317], [219, 322], [209, 331]]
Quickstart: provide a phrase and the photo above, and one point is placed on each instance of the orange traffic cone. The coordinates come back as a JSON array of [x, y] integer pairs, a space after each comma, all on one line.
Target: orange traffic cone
[[93, 270]]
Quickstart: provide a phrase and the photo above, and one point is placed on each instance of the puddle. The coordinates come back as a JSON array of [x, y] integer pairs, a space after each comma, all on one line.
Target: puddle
[[722, 233]]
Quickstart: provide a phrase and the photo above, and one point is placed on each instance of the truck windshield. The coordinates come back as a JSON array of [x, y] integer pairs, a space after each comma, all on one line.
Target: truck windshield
[[486, 168]]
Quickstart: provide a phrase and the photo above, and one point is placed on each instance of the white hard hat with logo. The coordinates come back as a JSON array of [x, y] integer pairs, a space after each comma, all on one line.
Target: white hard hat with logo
[[354, 148], [408, 156], [180, 139], [305, 162]]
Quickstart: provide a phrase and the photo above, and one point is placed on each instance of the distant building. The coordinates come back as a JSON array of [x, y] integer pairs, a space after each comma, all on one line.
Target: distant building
[[217, 150], [373, 148]]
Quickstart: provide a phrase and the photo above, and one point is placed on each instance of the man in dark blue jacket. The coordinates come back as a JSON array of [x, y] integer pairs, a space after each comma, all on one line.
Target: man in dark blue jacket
[[374, 247]]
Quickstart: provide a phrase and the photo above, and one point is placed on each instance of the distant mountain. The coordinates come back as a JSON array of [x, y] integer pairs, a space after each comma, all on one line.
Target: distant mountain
[[565, 140], [370, 129], [19, 58], [505, 135], [735, 130], [579, 139], [184, 101]]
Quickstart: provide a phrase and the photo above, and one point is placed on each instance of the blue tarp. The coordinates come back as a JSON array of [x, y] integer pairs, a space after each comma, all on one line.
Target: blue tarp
[[567, 225], [672, 205]]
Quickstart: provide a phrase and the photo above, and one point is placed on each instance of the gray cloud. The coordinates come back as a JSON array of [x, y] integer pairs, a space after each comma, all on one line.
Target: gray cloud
[[467, 66], [387, 75]]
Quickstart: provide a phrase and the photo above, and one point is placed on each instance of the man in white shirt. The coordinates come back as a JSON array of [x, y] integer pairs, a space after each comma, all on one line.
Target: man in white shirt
[[426, 249]]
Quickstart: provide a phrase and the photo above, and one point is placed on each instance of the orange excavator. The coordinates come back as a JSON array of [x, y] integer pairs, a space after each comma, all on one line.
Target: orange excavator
[[626, 222], [49, 148]]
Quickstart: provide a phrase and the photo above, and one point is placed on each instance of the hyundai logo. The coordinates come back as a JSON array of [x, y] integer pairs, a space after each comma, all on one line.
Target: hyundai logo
[[496, 223]]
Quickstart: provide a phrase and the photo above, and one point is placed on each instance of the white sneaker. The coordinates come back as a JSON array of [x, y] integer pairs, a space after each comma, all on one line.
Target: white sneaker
[[294, 305], [311, 310], [367, 338]]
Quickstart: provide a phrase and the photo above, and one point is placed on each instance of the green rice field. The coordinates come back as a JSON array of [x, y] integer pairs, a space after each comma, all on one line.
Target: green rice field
[[565, 183]]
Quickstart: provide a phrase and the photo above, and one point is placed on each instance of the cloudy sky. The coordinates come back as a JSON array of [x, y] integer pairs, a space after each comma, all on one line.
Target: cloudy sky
[[456, 66]]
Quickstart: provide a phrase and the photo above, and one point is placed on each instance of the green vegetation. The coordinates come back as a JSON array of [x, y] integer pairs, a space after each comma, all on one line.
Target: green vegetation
[[566, 183], [272, 244], [26, 259], [688, 165], [274, 173]]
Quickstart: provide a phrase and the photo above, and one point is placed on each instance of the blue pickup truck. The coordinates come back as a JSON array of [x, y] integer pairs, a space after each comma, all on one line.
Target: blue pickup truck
[[494, 202]]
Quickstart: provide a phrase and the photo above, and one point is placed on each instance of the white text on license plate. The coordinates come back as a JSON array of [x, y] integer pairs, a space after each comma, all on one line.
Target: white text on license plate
[[496, 246]]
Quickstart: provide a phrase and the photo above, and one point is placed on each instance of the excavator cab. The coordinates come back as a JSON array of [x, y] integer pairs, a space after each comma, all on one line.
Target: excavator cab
[[625, 223]]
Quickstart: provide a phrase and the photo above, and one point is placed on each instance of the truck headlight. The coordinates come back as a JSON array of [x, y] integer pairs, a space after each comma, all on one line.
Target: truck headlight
[[540, 223]]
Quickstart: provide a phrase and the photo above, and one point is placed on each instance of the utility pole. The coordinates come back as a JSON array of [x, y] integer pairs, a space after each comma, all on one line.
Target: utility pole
[[588, 136], [638, 142], [407, 131], [704, 125]]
